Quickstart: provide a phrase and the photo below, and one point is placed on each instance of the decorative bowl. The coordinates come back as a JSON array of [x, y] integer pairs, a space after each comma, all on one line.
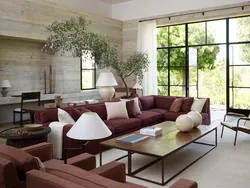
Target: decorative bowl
[[32, 127]]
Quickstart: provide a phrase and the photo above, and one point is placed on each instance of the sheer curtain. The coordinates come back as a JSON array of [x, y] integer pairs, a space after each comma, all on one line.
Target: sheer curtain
[[146, 42]]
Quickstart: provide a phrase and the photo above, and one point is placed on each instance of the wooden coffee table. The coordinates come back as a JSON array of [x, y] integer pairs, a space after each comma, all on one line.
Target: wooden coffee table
[[171, 141]]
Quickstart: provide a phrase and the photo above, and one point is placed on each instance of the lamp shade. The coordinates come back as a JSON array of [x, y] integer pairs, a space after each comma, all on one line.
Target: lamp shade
[[106, 79], [137, 86], [89, 127], [5, 83]]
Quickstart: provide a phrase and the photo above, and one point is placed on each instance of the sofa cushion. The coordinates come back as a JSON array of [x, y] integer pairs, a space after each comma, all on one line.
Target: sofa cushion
[[79, 176], [176, 105], [76, 113], [130, 108], [159, 110], [186, 104], [100, 109], [122, 125], [198, 105], [23, 161], [116, 110], [172, 116], [163, 102], [147, 102], [148, 117], [64, 117], [47, 116]]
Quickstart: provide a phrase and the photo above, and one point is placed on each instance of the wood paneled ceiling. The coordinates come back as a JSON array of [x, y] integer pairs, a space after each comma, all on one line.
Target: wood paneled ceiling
[[114, 1]]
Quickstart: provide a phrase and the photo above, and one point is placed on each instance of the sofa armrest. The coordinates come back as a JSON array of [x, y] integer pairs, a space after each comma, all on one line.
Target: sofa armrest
[[8, 174], [39, 179], [44, 151], [84, 161], [113, 170], [184, 183]]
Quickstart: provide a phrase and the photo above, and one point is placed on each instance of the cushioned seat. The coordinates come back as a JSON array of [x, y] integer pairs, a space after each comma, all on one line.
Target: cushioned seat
[[171, 116], [159, 110], [149, 117], [122, 125]]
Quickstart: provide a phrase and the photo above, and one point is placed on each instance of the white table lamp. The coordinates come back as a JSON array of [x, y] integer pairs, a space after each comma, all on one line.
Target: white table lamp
[[88, 127], [4, 84], [137, 86], [106, 81]]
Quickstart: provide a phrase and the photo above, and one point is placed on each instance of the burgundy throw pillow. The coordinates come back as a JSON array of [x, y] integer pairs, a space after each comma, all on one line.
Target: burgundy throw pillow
[[176, 105], [131, 109], [187, 103], [76, 113]]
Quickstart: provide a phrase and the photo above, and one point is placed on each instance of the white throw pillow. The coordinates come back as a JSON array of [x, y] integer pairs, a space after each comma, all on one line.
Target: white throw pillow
[[136, 105], [198, 105], [116, 110], [64, 117]]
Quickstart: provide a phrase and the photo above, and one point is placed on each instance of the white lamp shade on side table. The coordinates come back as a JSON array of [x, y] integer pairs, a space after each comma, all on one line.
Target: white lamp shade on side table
[[106, 81], [5, 83], [137, 86], [89, 127]]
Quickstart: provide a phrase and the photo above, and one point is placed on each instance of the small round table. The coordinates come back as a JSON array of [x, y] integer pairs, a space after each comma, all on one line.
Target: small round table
[[19, 141]]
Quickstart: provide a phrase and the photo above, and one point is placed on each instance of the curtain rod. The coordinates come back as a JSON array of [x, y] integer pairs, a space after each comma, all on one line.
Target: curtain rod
[[202, 12]]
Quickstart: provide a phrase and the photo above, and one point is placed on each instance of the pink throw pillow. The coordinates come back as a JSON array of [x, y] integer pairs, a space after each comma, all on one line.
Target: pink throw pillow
[[176, 105]]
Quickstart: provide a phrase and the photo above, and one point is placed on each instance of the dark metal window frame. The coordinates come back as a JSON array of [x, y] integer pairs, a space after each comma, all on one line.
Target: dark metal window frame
[[94, 77], [187, 46]]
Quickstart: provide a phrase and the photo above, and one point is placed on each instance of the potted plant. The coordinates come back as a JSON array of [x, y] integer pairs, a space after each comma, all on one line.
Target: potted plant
[[72, 35], [135, 64]]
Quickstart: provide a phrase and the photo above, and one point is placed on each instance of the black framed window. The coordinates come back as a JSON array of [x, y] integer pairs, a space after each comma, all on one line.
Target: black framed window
[[219, 66], [88, 71]]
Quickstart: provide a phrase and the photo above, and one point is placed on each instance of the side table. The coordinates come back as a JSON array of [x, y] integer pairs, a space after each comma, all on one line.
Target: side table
[[19, 141]]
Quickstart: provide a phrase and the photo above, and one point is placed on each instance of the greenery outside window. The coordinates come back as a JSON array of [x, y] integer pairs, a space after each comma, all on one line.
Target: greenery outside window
[[88, 72]]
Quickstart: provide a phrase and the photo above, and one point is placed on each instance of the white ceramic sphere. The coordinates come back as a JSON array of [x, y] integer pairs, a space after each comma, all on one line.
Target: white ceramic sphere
[[196, 117], [184, 123]]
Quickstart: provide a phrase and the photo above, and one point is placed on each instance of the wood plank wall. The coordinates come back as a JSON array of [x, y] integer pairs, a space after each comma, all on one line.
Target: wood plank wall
[[22, 35]]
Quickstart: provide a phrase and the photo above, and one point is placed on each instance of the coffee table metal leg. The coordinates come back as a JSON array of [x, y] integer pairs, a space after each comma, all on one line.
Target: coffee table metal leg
[[100, 155], [129, 163], [162, 170]]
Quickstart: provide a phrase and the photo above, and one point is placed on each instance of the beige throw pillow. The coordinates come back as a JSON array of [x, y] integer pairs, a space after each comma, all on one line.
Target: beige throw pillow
[[116, 110], [198, 105], [136, 105], [64, 117]]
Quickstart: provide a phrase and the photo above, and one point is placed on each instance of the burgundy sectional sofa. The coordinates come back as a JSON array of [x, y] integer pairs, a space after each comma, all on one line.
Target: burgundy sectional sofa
[[155, 109]]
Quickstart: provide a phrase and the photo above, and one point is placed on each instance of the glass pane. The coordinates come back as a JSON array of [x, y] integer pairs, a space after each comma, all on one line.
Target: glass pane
[[162, 58], [196, 33], [162, 76], [87, 61], [178, 57], [212, 74], [239, 98], [192, 91], [177, 91], [239, 29], [162, 37], [88, 79], [177, 35], [239, 54], [177, 76], [216, 31], [162, 90], [193, 76], [208, 55], [239, 76]]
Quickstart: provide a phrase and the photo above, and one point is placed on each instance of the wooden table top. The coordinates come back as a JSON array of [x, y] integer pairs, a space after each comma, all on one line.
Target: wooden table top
[[170, 140]]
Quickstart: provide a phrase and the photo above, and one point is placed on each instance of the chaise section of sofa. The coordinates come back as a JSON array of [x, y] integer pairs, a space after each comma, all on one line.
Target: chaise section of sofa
[[155, 109]]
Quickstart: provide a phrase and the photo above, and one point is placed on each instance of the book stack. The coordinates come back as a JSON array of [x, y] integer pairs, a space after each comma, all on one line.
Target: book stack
[[151, 131], [132, 139]]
